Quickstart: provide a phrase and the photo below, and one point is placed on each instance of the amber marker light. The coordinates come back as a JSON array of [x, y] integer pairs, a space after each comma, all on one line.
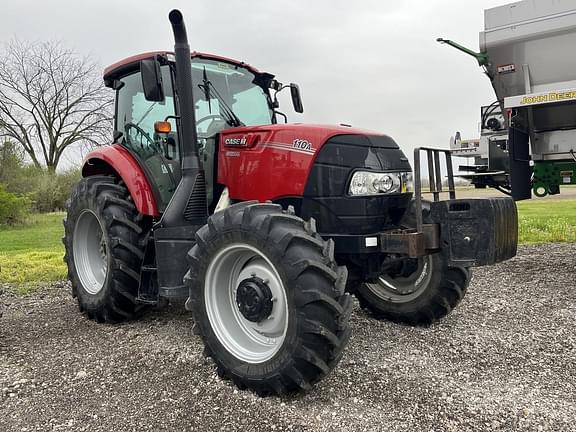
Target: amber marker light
[[162, 127]]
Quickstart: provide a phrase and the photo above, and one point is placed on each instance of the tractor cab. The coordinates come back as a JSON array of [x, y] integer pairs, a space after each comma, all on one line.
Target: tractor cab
[[226, 94]]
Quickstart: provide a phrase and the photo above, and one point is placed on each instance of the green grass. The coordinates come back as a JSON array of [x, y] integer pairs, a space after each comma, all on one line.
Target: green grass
[[32, 254], [547, 221]]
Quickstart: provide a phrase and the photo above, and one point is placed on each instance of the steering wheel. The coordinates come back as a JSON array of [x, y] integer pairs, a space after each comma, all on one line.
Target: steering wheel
[[139, 132], [208, 117]]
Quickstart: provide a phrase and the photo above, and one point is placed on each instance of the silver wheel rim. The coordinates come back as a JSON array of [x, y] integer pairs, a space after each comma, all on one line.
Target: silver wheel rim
[[252, 342], [90, 252], [399, 289]]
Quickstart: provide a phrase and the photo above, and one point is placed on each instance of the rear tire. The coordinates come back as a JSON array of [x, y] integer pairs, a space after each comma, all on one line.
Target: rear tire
[[424, 290], [104, 242], [268, 298]]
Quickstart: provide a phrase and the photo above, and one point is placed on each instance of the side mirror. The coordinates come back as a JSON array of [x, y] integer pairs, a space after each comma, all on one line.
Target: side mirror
[[296, 99], [152, 80]]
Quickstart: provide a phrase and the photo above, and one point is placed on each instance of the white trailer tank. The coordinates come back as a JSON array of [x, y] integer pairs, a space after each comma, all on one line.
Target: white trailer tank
[[530, 47], [527, 51]]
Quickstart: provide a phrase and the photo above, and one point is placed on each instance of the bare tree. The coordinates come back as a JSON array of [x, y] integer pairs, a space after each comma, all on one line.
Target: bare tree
[[51, 99]]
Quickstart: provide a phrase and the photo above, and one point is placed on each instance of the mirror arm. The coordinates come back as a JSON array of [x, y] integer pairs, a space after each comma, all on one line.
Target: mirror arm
[[279, 87], [282, 114]]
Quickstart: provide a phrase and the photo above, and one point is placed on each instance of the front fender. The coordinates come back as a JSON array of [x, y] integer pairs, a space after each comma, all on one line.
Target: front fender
[[118, 161]]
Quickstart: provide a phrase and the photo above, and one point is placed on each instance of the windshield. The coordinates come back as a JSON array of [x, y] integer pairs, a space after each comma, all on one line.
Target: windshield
[[230, 87]]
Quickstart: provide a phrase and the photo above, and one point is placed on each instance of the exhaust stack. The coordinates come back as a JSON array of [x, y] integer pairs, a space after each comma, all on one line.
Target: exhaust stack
[[188, 204]]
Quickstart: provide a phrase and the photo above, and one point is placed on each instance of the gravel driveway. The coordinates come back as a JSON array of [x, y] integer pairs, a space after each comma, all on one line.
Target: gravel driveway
[[504, 360]]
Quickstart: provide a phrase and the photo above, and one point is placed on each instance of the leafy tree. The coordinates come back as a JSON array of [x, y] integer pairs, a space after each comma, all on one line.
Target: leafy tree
[[52, 190], [13, 208], [47, 191], [13, 171], [11, 158]]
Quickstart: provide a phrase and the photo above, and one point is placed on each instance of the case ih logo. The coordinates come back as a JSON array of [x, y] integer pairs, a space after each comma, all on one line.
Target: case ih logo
[[235, 141], [302, 144]]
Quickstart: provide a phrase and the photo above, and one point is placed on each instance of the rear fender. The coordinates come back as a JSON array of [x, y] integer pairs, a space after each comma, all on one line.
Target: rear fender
[[116, 160]]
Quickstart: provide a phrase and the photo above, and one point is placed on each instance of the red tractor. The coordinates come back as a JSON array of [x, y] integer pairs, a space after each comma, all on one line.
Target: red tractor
[[263, 226]]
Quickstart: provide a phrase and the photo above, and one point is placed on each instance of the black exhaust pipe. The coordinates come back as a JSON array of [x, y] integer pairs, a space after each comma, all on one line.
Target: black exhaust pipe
[[188, 204], [187, 211]]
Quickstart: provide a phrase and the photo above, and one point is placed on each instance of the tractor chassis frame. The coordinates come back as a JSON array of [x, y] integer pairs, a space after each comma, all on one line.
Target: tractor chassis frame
[[467, 232]]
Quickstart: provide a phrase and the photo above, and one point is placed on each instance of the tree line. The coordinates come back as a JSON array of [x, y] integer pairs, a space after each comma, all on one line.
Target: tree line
[[52, 103], [26, 188]]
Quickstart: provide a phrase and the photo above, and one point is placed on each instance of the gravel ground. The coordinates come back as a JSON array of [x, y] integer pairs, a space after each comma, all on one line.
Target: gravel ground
[[504, 360]]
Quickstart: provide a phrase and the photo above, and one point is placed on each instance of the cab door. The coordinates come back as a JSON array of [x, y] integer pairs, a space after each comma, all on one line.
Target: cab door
[[158, 154]]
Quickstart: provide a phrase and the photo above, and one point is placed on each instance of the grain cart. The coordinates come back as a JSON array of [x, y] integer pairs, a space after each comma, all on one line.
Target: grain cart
[[262, 225], [528, 135]]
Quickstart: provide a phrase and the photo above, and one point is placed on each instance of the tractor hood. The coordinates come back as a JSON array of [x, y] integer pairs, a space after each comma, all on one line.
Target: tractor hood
[[308, 165], [298, 137]]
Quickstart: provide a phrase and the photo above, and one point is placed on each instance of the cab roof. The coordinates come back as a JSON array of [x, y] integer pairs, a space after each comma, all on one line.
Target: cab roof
[[128, 64]]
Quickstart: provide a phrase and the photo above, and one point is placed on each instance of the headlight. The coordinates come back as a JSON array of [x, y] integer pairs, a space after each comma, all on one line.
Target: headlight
[[369, 183]]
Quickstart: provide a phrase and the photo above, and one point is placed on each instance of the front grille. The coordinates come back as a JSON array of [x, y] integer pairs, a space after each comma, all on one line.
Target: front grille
[[326, 197]]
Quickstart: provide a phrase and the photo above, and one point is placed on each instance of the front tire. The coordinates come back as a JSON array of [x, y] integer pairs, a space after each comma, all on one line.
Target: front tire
[[416, 292], [104, 242], [268, 298]]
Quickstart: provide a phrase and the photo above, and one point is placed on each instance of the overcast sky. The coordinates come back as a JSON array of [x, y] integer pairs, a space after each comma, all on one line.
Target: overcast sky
[[371, 63]]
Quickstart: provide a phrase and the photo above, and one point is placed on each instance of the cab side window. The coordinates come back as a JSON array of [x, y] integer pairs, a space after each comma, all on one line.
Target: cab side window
[[135, 118]]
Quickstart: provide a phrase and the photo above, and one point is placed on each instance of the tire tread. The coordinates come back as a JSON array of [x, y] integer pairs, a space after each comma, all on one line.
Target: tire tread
[[323, 309], [127, 231]]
